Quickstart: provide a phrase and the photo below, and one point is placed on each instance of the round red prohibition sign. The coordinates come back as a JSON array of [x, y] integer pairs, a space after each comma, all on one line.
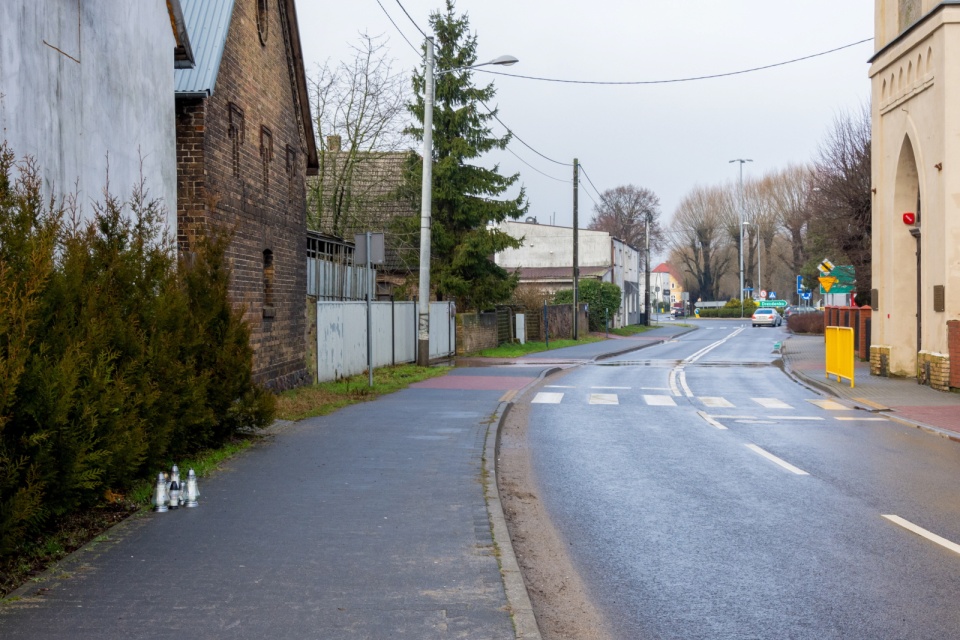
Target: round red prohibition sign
[[909, 218]]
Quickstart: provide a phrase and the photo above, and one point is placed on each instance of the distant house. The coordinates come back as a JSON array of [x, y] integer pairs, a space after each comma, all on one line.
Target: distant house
[[356, 192], [245, 145], [85, 88], [545, 262], [666, 285]]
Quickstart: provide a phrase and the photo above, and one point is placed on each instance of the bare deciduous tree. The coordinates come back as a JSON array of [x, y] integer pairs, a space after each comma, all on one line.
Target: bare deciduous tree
[[789, 196], [623, 212], [841, 202], [700, 242], [359, 108]]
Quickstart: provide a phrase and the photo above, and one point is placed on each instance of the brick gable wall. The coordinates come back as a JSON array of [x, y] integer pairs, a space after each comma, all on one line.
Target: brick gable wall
[[242, 166]]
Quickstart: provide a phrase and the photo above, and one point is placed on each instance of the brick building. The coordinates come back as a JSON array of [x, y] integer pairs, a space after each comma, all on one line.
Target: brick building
[[245, 145]]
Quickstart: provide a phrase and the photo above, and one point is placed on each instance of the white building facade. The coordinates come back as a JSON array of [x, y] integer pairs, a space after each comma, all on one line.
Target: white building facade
[[86, 89], [545, 261]]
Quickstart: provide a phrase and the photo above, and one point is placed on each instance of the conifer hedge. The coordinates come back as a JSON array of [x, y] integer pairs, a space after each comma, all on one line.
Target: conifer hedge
[[115, 358]]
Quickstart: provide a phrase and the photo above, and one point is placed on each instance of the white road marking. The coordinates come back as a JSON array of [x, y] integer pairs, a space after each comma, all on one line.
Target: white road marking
[[715, 402], [711, 421], [682, 378], [920, 531], [659, 401], [547, 398], [772, 458], [830, 405], [808, 418], [673, 383], [604, 398], [609, 387], [850, 418], [771, 403], [558, 386], [654, 388]]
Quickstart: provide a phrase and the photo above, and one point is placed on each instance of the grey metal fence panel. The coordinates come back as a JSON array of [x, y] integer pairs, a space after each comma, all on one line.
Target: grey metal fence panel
[[405, 331], [328, 280], [443, 328]]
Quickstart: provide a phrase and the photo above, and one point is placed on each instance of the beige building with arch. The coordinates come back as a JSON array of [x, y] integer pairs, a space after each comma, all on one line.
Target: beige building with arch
[[915, 77]]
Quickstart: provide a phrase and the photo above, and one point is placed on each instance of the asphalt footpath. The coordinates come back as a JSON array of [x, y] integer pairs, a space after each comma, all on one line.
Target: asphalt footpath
[[378, 521], [898, 399]]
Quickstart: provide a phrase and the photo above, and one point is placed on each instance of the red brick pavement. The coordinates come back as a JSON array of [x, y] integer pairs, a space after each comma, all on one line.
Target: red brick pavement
[[475, 383]]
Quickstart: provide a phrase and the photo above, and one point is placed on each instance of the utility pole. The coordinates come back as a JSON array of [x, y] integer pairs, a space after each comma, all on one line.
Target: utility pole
[[423, 304], [741, 161], [576, 267]]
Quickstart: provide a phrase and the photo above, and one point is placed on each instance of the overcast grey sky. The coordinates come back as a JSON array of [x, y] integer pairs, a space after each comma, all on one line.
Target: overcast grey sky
[[666, 137]]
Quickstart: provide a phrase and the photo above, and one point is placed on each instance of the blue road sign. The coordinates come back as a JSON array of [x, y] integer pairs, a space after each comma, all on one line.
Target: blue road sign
[[799, 284], [805, 296]]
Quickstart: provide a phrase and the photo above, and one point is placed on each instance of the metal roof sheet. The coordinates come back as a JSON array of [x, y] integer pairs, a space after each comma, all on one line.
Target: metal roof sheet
[[208, 22]]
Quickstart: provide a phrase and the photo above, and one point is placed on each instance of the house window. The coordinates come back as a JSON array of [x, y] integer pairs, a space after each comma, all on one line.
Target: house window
[[268, 273], [266, 155], [236, 133], [263, 20]]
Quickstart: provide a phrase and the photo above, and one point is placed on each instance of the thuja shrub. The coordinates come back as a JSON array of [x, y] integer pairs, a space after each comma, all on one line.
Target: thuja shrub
[[114, 357]]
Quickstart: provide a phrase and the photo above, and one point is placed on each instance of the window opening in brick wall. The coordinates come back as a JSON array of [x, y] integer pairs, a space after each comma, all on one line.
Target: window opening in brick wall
[[268, 272], [291, 162], [263, 20], [236, 134], [266, 155]]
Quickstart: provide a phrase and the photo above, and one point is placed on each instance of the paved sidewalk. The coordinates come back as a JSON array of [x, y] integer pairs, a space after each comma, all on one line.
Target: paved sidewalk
[[900, 399], [377, 521]]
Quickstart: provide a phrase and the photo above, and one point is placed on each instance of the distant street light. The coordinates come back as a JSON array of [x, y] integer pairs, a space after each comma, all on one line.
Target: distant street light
[[423, 305], [741, 161]]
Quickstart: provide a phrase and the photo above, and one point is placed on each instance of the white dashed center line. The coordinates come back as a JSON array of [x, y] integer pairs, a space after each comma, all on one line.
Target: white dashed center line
[[772, 458], [920, 531]]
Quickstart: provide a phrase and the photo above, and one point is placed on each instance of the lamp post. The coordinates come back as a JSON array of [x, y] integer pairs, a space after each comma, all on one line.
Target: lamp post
[[426, 191], [740, 212], [646, 268]]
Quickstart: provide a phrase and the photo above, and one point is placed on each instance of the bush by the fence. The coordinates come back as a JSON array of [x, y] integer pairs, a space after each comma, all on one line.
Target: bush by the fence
[[806, 323], [114, 360], [603, 301]]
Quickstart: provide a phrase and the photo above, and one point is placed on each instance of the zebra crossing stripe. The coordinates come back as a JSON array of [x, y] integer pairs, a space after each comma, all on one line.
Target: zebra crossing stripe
[[547, 398], [716, 402], [771, 403], [659, 401], [604, 398]]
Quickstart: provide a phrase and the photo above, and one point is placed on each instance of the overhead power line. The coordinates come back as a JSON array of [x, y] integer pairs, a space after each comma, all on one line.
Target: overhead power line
[[409, 17], [520, 140], [677, 80], [395, 26]]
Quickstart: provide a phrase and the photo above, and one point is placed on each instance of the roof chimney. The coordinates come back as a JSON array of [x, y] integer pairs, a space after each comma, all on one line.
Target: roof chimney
[[333, 143]]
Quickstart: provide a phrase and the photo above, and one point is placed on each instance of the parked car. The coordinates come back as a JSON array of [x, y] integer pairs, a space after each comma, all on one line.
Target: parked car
[[766, 316]]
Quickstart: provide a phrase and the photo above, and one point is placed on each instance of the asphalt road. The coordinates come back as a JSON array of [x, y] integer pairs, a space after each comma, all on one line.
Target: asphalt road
[[706, 495]]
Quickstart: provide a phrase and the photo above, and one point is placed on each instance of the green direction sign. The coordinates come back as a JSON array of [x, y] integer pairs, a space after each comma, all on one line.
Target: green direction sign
[[773, 303], [844, 280]]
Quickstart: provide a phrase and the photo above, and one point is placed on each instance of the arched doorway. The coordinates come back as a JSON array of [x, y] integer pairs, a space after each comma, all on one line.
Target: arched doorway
[[907, 256]]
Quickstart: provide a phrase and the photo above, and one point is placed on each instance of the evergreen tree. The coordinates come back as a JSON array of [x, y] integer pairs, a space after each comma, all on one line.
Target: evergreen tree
[[464, 200]]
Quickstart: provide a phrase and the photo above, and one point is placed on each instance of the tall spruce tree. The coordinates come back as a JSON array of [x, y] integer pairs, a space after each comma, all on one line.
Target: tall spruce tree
[[464, 200]]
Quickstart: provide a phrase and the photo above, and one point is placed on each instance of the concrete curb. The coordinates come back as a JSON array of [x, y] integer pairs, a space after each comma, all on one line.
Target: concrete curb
[[822, 388], [651, 343], [521, 609]]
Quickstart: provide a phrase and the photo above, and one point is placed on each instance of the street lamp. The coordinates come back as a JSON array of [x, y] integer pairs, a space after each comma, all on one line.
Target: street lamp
[[426, 191], [741, 161]]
